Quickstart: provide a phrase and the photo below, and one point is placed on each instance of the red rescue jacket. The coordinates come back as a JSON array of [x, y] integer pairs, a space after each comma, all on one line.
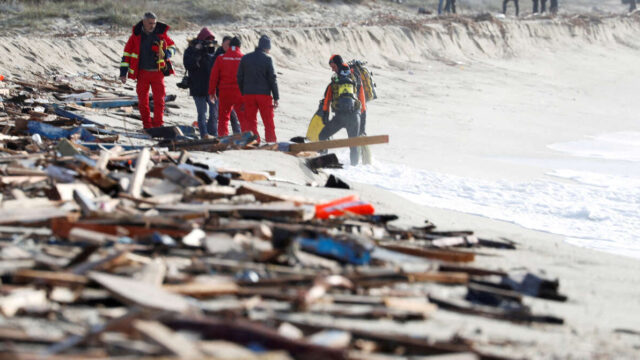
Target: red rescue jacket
[[225, 70], [131, 54]]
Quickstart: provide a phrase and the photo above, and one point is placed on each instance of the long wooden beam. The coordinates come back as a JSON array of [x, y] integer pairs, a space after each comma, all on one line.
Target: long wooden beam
[[331, 144]]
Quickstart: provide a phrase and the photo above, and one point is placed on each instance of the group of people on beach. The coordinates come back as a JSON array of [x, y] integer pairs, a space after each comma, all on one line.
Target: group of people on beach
[[228, 86]]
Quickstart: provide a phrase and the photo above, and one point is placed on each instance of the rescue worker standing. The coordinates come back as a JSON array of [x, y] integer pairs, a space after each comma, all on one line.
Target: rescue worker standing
[[224, 79], [259, 88], [198, 59], [235, 124], [345, 97], [146, 59]]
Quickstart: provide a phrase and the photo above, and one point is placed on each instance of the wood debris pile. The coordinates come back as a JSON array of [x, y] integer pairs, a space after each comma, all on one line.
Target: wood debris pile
[[110, 249]]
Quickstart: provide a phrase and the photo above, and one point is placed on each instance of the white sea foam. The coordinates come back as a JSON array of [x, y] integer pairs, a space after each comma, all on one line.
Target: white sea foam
[[612, 146], [592, 209]]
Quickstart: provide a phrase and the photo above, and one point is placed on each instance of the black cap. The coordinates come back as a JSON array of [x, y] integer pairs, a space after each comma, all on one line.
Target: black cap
[[227, 37], [235, 42]]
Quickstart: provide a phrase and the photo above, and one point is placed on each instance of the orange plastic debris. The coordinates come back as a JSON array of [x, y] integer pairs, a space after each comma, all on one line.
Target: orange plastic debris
[[349, 204], [1, 77]]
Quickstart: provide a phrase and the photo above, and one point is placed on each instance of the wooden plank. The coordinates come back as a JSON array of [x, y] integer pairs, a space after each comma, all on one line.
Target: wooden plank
[[78, 234], [439, 277], [135, 188], [412, 305], [244, 332], [141, 293], [179, 177], [455, 241], [65, 191], [31, 215], [205, 289], [62, 227], [173, 342], [153, 272], [105, 155], [105, 263], [517, 316], [332, 144], [49, 277], [75, 340], [444, 255]]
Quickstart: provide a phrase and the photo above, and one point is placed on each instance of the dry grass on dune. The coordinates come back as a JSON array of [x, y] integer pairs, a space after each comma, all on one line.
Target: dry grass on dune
[[121, 13], [39, 14]]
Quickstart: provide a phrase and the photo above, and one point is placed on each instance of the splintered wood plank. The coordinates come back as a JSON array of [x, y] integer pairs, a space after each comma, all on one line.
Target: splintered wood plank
[[169, 340], [135, 189], [331, 144], [105, 155], [140, 293]]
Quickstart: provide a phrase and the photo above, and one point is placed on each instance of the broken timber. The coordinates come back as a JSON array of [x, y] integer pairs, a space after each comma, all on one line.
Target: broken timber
[[332, 144]]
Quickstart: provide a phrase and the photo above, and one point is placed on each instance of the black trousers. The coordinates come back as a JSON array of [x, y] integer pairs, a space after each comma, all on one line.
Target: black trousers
[[450, 6], [632, 5], [542, 9], [553, 6], [504, 6], [349, 121]]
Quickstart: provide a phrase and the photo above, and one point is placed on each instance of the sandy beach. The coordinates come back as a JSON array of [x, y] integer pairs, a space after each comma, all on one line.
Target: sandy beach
[[479, 111]]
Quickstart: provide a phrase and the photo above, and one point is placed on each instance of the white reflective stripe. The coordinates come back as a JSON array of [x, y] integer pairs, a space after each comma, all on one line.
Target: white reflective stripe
[[131, 70], [124, 64], [126, 54], [134, 55]]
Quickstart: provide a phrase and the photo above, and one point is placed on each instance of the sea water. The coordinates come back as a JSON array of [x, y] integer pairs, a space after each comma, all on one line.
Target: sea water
[[590, 193]]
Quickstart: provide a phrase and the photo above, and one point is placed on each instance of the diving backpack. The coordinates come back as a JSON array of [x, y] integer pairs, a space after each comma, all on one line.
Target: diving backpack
[[366, 78]]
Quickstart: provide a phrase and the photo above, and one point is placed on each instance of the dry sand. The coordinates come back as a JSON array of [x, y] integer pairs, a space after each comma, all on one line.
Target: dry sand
[[460, 97]]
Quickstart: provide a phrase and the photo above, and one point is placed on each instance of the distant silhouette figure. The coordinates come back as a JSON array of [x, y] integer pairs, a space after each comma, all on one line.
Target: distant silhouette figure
[[632, 5], [450, 6], [543, 8], [504, 7]]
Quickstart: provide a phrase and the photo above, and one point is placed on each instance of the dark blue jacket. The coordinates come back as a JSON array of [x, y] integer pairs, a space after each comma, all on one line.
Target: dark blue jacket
[[256, 75], [199, 65]]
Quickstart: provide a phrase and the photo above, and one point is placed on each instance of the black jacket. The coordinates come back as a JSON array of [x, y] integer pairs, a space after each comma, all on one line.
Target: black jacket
[[199, 65], [256, 75]]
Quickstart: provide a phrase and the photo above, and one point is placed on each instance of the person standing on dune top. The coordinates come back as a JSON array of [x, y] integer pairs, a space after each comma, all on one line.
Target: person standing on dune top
[[146, 59], [504, 6]]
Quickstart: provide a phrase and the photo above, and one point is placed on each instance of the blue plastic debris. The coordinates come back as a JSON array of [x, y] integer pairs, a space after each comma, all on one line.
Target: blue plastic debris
[[162, 239], [55, 133], [346, 250]]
